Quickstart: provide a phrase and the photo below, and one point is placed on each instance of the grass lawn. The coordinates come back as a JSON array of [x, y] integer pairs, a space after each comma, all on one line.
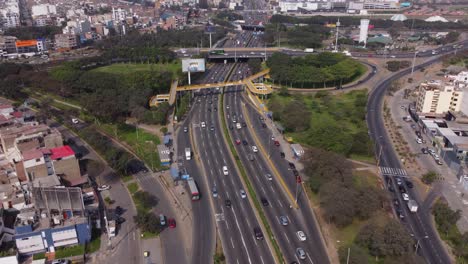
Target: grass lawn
[[125, 68], [70, 251], [148, 235], [39, 256], [132, 187], [142, 143], [127, 178]]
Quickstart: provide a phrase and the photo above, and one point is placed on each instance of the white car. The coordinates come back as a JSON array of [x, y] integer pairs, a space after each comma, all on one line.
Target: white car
[[405, 196], [301, 236], [75, 121], [203, 124], [225, 170], [269, 177], [419, 141], [254, 149], [103, 187], [243, 194]]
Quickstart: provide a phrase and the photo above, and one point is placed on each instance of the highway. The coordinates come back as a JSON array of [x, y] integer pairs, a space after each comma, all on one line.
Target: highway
[[235, 225], [258, 168], [418, 224]]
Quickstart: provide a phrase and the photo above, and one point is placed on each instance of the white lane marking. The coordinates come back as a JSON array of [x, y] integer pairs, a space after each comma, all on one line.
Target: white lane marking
[[271, 187], [280, 203], [227, 225], [287, 238], [262, 259], [263, 190], [237, 261], [242, 237], [310, 258], [232, 242]]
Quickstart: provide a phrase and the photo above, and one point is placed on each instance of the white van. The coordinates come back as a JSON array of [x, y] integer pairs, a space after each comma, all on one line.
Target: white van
[[238, 125]]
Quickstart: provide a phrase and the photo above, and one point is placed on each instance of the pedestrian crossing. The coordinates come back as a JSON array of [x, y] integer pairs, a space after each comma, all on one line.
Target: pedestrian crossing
[[393, 171]]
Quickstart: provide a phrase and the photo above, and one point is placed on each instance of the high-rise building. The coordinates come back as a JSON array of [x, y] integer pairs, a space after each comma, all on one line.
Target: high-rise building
[[364, 28]]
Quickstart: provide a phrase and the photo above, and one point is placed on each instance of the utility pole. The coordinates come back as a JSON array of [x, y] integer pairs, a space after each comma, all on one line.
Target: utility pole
[[337, 28], [347, 258]]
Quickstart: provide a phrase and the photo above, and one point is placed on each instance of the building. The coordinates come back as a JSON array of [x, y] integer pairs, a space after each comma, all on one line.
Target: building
[[30, 46], [9, 13], [65, 41], [66, 166], [363, 31], [437, 97], [57, 220], [119, 15], [8, 44], [43, 10]]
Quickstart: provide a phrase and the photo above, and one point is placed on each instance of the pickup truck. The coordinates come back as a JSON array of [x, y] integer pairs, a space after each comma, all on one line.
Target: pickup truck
[[412, 206]]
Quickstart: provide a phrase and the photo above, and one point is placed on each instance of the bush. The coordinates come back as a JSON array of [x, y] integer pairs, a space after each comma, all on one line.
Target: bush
[[146, 199], [429, 177], [148, 222]]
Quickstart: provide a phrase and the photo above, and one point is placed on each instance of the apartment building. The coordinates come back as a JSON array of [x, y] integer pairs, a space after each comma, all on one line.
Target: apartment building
[[65, 41], [8, 44], [438, 97]]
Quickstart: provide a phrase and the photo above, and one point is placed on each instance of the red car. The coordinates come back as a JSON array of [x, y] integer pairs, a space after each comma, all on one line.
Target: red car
[[277, 143], [238, 141], [172, 223]]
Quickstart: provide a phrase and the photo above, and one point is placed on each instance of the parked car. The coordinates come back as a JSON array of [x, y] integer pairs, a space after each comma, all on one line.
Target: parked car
[[162, 220], [405, 196], [103, 187], [424, 151], [172, 223]]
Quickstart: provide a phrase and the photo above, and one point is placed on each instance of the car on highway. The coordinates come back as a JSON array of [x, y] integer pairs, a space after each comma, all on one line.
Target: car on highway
[[402, 188], [292, 166], [214, 191], [405, 196], [172, 223], [258, 233], [227, 203], [231, 127], [283, 220], [295, 172], [400, 214], [203, 124], [398, 181], [300, 253], [254, 149], [185, 129], [282, 155], [396, 203], [250, 157], [269, 177], [225, 170], [242, 194], [244, 124], [212, 128], [244, 142], [409, 184], [277, 143], [301, 236], [146, 254], [238, 142], [264, 201], [103, 187]]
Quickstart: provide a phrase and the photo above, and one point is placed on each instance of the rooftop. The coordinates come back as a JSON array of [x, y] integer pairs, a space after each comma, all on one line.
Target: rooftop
[[61, 152]]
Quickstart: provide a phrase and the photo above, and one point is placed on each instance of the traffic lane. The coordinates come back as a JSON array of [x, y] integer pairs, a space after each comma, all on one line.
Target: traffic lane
[[242, 244], [261, 167], [431, 246], [305, 214], [276, 207], [266, 256], [202, 244]]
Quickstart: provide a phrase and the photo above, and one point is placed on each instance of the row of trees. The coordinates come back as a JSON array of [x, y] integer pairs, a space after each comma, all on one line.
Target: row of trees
[[26, 33], [321, 70]]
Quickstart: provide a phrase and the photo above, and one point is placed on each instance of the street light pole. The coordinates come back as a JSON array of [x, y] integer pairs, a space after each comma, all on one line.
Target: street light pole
[[414, 60]]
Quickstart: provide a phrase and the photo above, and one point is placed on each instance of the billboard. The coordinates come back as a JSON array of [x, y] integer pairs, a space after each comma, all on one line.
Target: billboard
[[193, 65]]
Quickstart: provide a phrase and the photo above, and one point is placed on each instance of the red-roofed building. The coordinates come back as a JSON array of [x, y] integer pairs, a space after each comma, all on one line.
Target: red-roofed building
[[18, 116], [66, 165], [61, 152]]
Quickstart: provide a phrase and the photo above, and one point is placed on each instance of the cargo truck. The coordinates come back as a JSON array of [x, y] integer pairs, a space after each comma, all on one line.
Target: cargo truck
[[412, 206], [308, 50], [111, 225]]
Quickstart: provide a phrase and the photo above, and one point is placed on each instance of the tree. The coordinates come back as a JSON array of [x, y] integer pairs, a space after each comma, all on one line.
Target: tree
[[333, 135], [338, 209], [298, 116], [146, 199], [429, 177], [255, 65], [385, 239], [444, 216], [148, 222]]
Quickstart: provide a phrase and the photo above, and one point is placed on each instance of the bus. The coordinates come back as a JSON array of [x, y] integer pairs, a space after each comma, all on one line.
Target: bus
[[217, 52], [193, 189]]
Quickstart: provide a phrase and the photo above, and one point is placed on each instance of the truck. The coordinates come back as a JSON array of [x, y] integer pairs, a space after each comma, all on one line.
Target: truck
[[412, 206], [238, 125], [111, 230], [308, 50], [188, 154]]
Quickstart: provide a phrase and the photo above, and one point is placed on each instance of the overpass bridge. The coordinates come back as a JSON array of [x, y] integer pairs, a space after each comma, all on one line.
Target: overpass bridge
[[249, 82]]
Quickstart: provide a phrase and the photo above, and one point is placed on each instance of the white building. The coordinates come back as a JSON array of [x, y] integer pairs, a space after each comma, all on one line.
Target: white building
[[119, 14], [9, 13], [438, 97], [43, 10], [363, 31]]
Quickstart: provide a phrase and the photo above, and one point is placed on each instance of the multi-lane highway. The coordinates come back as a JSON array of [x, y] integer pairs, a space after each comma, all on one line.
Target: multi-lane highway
[[235, 223], [266, 182], [418, 224]]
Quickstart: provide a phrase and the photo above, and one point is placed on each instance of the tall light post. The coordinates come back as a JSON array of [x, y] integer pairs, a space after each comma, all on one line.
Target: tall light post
[[414, 60], [337, 28]]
